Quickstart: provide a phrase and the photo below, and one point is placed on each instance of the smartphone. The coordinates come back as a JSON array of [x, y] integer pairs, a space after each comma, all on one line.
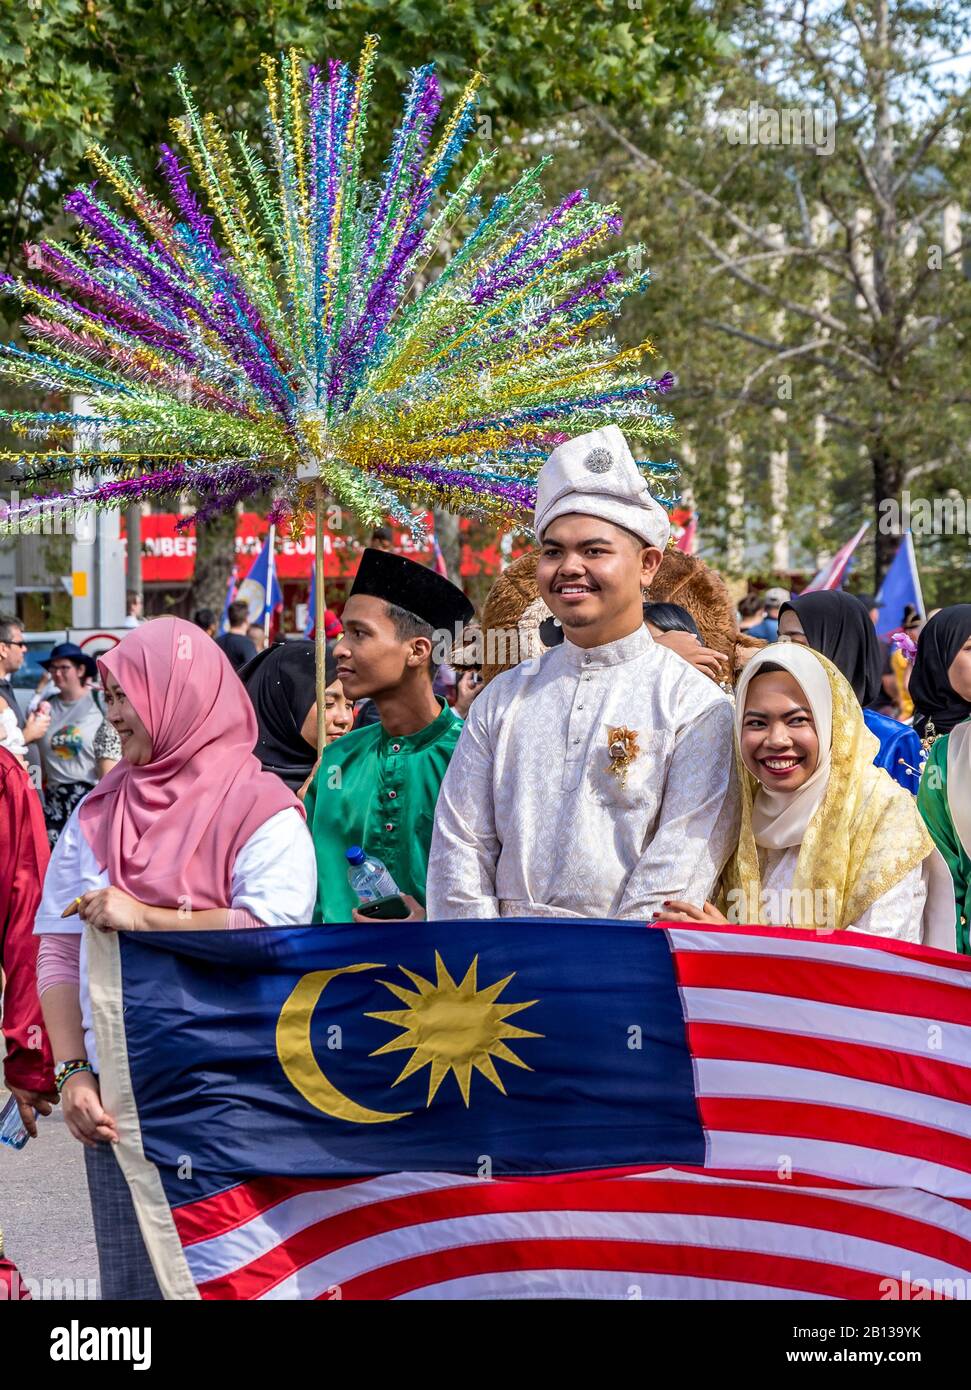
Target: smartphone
[[13, 1133], [385, 909]]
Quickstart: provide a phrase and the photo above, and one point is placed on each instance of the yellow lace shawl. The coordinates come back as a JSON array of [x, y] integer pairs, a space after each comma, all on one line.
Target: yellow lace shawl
[[864, 837]]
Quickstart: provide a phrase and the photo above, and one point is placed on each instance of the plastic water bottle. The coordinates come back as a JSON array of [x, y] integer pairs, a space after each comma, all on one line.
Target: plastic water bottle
[[368, 876], [13, 1132]]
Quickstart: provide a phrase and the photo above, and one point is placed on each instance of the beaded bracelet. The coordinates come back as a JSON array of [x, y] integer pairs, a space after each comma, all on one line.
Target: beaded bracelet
[[66, 1070]]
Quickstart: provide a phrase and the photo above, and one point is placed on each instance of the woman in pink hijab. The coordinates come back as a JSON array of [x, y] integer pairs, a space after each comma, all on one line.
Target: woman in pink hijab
[[187, 831]]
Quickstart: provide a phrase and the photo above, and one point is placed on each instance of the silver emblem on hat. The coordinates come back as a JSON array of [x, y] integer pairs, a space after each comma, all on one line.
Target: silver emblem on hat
[[599, 460]]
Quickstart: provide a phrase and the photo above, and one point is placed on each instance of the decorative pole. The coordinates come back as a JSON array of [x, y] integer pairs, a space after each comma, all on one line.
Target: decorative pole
[[270, 577], [320, 608]]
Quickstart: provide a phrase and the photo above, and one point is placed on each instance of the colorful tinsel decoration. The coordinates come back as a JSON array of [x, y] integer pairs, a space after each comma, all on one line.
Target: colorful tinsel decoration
[[292, 320]]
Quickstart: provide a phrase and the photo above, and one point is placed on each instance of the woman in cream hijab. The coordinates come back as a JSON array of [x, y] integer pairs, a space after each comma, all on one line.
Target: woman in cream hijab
[[828, 841]]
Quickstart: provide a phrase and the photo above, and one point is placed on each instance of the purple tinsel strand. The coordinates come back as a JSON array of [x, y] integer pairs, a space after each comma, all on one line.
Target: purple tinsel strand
[[278, 512], [380, 305], [224, 500], [177, 179], [358, 336], [666, 383], [537, 413], [119, 252], [518, 494], [522, 277], [594, 289], [525, 243], [426, 99], [124, 316]]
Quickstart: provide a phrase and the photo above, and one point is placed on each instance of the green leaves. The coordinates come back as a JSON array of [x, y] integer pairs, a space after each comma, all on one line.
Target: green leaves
[[75, 72]]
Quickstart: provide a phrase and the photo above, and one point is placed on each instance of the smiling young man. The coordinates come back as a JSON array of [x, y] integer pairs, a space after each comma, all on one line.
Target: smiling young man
[[377, 786], [599, 781]]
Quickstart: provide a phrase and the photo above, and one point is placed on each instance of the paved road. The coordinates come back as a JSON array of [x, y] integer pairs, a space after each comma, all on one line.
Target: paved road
[[45, 1215]]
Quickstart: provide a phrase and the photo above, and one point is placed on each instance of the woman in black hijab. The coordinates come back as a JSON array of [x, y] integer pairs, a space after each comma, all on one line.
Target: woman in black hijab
[[281, 683], [940, 685], [936, 702], [838, 626]]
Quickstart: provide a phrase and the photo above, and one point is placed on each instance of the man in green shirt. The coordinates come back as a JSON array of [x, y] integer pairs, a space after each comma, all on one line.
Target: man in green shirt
[[378, 785]]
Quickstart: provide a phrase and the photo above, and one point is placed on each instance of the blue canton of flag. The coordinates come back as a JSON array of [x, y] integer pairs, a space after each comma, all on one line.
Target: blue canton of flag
[[261, 588]]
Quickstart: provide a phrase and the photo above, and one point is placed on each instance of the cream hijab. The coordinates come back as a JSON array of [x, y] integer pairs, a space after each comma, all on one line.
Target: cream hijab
[[863, 832], [779, 818]]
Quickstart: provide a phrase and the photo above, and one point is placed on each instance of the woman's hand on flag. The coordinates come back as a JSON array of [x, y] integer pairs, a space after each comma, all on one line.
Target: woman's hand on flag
[[86, 1117], [109, 909], [674, 910]]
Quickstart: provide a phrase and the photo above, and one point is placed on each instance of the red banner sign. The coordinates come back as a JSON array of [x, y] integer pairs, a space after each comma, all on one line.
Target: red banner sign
[[168, 555]]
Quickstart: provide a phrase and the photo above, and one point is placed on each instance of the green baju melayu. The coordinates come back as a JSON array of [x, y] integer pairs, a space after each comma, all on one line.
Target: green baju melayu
[[933, 805], [377, 790]]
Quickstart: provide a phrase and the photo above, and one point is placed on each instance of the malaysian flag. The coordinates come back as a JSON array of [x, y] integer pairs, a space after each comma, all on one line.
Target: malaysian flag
[[525, 1108]]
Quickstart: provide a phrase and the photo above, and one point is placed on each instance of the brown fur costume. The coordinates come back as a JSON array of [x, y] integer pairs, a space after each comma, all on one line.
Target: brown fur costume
[[514, 606]]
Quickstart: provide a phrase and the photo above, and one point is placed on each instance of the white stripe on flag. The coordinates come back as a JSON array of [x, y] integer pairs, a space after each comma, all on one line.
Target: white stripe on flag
[[925, 1207], [839, 1022], [605, 1284], [826, 948], [767, 1081], [825, 1158]]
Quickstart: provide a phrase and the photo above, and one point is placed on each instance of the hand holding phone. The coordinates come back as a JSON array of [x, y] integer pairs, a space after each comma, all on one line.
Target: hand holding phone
[[391, 908]]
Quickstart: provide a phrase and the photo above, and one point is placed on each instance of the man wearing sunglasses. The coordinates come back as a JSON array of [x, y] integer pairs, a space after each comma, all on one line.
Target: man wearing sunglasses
[[13, 650]]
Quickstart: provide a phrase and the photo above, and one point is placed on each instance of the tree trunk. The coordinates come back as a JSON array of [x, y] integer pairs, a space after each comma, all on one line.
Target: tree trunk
[[735, 497], [821, 468], [447, 531], [215, 557], [779, 497], [888, 477]]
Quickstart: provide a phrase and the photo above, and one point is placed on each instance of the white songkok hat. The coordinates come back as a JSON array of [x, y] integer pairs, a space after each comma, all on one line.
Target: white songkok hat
[[595, 475]]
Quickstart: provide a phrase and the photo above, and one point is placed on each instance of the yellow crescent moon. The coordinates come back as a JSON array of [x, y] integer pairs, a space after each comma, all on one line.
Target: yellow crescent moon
[[296, 1054]]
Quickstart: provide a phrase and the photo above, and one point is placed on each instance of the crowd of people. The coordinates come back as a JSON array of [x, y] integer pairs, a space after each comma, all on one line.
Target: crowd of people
[[626, 758]]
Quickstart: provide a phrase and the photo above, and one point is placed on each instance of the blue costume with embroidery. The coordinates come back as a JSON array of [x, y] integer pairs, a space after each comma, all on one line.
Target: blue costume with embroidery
[[900, 751]]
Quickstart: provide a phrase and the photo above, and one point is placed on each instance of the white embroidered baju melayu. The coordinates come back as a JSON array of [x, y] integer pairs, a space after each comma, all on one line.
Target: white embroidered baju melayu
[[530, 821]]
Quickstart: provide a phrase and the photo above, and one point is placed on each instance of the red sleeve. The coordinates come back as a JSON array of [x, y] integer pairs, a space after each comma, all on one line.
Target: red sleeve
[[24, 855]]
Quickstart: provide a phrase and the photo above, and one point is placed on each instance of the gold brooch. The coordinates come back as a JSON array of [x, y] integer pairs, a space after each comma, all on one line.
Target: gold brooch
[[623, 749]]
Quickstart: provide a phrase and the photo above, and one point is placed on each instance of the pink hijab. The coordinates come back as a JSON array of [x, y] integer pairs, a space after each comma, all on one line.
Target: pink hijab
[[169, 831]]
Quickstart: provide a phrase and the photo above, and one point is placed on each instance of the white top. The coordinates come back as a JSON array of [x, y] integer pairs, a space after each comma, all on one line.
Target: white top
[[10, 734], [530, 821], [274, 878], [898, 913]]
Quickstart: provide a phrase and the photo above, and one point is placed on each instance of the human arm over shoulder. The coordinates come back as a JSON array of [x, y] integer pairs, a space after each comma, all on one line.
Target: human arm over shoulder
[[697, 826]]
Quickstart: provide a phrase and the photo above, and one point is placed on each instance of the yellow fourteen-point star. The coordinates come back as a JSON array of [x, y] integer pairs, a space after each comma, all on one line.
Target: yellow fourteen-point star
[[453, 1027]]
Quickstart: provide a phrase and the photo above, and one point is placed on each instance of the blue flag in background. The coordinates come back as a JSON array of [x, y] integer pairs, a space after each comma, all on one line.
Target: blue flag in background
[[261, 588], [900, 588]]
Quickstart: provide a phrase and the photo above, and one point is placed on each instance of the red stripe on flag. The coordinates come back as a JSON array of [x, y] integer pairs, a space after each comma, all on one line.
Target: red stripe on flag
[[835, 1125], [771, 1271], [826, 983], [234, 1206], [854, 941], [905, 1070]]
